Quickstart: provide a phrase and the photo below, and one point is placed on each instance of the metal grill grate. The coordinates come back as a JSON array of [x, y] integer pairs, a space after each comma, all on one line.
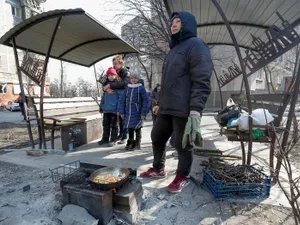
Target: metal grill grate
[[64, 171]]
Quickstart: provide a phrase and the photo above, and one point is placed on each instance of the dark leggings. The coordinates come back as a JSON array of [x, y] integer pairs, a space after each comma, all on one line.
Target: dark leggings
[[138, 135]]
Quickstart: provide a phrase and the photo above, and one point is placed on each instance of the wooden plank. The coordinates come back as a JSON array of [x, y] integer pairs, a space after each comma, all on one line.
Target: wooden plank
[[246, 139], [233, 136], [72, 117], [278, 98], [50, 106], [59, 100], [70, 111], [271, 102]]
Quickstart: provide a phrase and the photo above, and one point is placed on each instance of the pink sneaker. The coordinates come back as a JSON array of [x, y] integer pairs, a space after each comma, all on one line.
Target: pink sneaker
[[153, 173], [178, 184]]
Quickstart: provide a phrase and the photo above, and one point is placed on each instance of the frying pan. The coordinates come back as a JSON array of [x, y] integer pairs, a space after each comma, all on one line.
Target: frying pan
[[112, 171]]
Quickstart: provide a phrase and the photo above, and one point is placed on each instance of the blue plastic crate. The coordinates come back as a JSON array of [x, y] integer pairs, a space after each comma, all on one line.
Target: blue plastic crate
[[220, 191]]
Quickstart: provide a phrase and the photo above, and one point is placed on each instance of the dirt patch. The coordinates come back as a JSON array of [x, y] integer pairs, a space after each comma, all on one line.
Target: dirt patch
[[27, 196], [190, 208], [16, 136]]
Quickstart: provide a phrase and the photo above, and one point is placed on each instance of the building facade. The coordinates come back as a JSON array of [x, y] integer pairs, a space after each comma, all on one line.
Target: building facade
[[13, 12], [132, 33], [280, 69]]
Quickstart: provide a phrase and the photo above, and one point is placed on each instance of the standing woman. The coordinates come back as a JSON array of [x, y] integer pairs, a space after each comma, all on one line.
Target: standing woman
[[123, 73]]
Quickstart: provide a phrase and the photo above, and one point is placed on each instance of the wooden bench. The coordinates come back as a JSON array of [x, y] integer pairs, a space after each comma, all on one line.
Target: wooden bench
[[64, 112], [276, 105]]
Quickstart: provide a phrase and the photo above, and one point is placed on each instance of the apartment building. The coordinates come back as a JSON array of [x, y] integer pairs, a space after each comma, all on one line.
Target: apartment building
[[13, 12]]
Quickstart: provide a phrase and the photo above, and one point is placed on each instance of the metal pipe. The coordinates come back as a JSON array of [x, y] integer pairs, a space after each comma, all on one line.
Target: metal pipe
[[98, 90], [242, 85], [23, 93], [245, 79], [43, 81], [220, 89], [267, 80]]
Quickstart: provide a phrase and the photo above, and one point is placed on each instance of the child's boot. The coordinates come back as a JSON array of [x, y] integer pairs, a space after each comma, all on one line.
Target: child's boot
[[138, 139], [133, 146], [128, 145]]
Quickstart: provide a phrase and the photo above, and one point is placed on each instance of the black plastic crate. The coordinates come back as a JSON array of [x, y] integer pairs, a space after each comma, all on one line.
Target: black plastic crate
[[221, 191]]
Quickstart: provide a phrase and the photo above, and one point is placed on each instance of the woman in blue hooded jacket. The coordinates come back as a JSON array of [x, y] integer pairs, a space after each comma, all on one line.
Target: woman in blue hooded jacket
[[133, 107]]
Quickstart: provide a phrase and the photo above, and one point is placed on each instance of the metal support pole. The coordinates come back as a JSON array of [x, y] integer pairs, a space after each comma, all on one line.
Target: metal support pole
[[220, 89], [43, 82], [242, 85], [245, 79], [267, 80], [97, 83], [23, 93]]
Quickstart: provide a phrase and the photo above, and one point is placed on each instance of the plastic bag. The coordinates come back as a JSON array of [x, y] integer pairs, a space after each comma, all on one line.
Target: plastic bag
[[261, 117], [243, 122], [226, 114], [235, 122], [230, 102]]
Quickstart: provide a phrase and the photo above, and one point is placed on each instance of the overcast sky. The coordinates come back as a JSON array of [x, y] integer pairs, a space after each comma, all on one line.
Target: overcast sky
[[100, 10]]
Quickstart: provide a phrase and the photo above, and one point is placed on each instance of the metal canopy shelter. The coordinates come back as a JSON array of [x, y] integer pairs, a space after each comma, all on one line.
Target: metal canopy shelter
[[265, 28], [80, 39], [246, 17], [68, 35]]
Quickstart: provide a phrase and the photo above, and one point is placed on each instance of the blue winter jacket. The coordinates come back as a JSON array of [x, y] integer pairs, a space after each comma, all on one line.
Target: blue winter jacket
[[110, 102], [133, 105]]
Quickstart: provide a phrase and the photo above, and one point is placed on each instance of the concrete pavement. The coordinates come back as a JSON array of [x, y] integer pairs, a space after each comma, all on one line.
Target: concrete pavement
[[11, 117], [117, 157]]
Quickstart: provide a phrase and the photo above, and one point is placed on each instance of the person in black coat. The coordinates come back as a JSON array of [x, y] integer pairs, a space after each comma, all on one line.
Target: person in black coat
[[123, 74], [185, 87]]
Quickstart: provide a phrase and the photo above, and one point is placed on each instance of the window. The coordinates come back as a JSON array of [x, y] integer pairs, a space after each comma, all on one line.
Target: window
[[16, 11], [260, 75], [3, 88], [17, 90], [37, 90]]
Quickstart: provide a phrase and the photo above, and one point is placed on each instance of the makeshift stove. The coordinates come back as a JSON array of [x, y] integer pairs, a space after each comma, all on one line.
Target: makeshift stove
[[101, 203]]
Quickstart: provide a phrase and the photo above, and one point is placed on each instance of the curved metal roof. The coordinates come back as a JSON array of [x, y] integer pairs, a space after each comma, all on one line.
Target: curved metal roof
[[80, 38], [245, 16]]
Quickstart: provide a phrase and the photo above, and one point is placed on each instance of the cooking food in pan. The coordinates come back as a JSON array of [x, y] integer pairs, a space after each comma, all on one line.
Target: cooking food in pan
[[108, 178], [109, 175]]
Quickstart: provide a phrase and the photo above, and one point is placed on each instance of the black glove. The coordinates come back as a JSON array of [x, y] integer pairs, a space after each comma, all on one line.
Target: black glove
[[101, 110]]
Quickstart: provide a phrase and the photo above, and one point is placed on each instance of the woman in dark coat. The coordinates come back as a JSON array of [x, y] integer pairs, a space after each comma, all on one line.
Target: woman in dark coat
[[123, 74]]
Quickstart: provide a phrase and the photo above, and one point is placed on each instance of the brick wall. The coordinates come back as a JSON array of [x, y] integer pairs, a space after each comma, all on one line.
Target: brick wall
[[10, 96]]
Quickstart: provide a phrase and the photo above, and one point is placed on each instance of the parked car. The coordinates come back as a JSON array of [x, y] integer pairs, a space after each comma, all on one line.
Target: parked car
[[13, 106]]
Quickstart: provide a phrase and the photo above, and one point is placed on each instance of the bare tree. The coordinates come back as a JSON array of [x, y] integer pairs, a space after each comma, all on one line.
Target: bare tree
[[54, 88], [71, 90], [63, 78], [148, 31], [85, 88], [292, 190], [148, 71], [98, 74]]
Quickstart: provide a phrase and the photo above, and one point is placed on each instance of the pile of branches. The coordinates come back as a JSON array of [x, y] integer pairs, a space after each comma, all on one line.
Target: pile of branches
[[231, 174]]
